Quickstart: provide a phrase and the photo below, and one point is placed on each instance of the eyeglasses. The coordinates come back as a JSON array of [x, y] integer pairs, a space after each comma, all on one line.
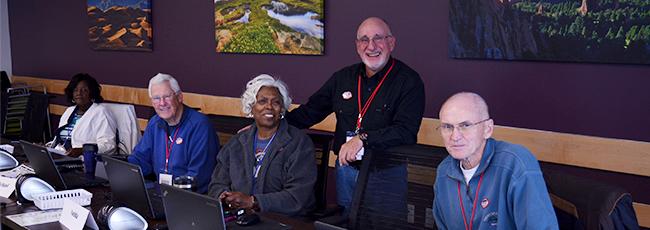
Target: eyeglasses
[[463, 127], [167, 98], [376, 39]]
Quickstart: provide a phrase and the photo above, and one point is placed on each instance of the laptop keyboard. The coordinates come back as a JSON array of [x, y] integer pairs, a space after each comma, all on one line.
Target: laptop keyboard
[[69, 167], [63, 160], [156, 202], [79, 180]]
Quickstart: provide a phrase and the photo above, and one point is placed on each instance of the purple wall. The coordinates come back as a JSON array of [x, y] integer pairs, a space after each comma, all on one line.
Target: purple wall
[[49, 39]]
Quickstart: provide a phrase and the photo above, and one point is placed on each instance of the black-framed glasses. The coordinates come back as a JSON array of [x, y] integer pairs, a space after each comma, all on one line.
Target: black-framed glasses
[[463, 127], [365, 40]]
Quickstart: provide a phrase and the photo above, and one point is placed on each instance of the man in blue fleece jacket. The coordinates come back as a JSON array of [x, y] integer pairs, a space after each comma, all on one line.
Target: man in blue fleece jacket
[[485, 183], [178, 140]]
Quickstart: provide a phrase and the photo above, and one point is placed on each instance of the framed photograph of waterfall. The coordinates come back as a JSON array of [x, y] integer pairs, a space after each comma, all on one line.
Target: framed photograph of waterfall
[[600, 31], [270, 26], [120, 25]]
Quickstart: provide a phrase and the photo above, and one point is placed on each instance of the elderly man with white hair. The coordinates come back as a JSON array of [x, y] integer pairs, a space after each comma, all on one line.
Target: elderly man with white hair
[[504, 179], [178, 141], [270, 167]]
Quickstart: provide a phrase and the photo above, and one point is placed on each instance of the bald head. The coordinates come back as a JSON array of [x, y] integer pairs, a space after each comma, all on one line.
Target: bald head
[[374, 22], [471, 102], [465, 127]]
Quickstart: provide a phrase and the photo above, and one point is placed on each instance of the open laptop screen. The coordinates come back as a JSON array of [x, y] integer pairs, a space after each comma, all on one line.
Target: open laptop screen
[[128, 186], [190, 210], [41, 161]]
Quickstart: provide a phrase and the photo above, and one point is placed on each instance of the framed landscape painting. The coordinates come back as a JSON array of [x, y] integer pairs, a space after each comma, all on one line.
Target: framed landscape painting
[[608, 31], [270, 26], [120, 25]]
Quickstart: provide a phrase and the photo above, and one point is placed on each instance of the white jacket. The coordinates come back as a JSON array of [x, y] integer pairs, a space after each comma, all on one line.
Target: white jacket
[[97, 125]]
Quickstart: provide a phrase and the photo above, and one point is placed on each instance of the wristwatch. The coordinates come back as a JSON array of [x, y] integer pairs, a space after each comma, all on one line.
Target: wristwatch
[[364, 138]]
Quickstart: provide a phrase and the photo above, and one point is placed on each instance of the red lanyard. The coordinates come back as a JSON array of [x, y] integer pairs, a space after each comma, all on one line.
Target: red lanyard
[[362, 111], [462, 207], [168, 148]]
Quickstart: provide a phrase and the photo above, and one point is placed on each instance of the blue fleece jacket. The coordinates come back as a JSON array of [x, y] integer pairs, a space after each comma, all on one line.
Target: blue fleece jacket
[[193, 152], [512, 195]]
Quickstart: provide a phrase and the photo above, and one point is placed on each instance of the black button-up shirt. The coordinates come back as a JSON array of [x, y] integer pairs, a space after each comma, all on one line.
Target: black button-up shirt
[[393, 118]]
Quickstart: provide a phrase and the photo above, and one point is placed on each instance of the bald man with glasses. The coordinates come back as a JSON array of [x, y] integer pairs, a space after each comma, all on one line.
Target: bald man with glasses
[[485, 183], [378, 104]]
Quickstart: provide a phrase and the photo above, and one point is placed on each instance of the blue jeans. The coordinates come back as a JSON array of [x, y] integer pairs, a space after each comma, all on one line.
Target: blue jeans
[[384, 197], [346, 181]]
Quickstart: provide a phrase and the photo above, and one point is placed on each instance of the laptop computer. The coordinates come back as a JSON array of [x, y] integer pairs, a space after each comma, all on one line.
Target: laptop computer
[[129, 187], [190, 210], [40, 159], [58, 156], [318, 225]]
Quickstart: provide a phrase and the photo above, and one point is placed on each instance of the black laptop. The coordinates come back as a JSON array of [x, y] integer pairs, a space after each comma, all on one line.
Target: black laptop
[[58, 156], [190, 210], [129, 187], [40, 159]]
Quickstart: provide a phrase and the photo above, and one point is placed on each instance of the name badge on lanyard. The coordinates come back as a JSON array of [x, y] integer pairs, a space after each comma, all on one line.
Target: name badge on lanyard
[[349, 135], [164, 178]]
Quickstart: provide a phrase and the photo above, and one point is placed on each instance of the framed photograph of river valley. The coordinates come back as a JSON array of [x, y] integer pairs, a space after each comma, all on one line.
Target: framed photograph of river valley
[[120, 25], [600, 31], [270, 26]]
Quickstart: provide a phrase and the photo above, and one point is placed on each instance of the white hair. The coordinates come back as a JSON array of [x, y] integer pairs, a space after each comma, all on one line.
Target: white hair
[[162, 77], [253, 86]]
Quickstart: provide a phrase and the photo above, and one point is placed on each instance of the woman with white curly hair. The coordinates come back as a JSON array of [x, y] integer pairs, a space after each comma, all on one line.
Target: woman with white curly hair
[[270, 167]]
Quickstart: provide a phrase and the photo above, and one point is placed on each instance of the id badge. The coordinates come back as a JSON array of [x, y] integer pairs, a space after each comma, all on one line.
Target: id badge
[[349, 135], [164, 178]]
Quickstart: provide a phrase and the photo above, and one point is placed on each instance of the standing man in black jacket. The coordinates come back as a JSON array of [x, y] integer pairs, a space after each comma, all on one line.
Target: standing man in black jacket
[[378, 104]]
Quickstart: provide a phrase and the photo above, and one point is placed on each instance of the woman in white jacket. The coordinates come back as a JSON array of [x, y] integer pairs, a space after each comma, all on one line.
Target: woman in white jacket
[[88, 121]]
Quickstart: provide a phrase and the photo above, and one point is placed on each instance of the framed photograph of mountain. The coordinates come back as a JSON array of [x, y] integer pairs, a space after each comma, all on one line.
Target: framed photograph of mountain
[[270, 26], [120, 25], [606, 31]]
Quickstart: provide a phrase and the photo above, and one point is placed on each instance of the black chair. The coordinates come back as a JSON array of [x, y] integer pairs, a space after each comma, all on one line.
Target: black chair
[[407, 205], [227, 126], [322, 145], [604, 206], [4, 85], [27, 115]]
